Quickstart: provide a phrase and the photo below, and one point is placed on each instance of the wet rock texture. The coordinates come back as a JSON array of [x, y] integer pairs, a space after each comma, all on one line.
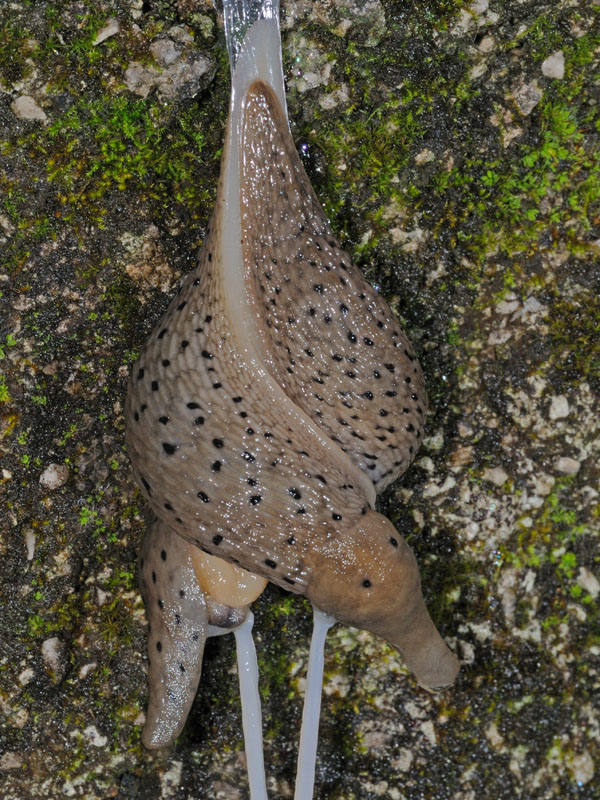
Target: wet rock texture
[[455, 148]]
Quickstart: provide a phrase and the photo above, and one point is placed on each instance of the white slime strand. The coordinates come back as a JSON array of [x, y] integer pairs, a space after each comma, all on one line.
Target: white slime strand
[[251, 711], [309, 733]]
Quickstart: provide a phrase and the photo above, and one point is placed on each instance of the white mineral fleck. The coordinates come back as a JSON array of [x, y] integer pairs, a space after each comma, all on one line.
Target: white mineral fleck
[[52, 650], [507, 306], [26, 676], [582, 767], [494, 736], [527, 96], [496, 475], [428, 731], [335, 98], [54, 475], [111, 27], [559, 407], [86, 669], [25, 107], [589, 582], [29, 537], [499, 336], [10, 760], [94, 737], [404, 760], [171, 779], [486, 44], [425, 156], [477, 71], [554, 65], [568, 466]]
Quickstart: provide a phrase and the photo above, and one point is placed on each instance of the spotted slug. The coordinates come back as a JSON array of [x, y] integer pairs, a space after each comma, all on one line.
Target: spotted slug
[[272, 402]]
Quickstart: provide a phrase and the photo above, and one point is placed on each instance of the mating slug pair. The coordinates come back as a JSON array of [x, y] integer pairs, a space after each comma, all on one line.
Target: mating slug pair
[[274, 399]]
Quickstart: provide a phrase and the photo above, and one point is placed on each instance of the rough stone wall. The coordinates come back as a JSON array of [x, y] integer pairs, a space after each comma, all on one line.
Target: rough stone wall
[[456, 150]]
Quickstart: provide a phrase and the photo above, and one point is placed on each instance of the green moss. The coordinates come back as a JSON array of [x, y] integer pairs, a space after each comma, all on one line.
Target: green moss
[[15, 48]]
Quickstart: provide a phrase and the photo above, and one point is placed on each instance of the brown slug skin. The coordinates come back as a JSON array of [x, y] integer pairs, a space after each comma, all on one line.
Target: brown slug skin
[[272, 401]]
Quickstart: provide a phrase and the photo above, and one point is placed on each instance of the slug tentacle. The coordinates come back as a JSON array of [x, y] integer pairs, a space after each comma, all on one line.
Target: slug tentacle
[[177, 618], [368, 577]]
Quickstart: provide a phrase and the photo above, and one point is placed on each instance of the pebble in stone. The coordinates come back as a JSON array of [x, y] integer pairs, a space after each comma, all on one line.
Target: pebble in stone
[[54, 475], [496, 475], [588, 581], [554, 65], [53, 656], [111, 27], [568, 466], [25, 107], [10, 760], [181, 74], [559, 407], [527, 96]]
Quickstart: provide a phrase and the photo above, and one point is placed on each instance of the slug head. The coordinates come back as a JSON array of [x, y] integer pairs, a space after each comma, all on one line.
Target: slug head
[[368, 577]]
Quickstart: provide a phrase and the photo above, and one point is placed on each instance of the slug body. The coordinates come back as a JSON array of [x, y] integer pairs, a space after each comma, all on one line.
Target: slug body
[[274, 399]]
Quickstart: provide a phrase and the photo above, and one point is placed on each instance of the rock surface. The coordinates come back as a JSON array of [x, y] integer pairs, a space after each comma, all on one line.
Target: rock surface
[[459, 164]]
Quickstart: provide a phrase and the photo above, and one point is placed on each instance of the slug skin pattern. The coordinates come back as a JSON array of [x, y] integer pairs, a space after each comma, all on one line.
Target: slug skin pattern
[[329, 340], [257, 434]]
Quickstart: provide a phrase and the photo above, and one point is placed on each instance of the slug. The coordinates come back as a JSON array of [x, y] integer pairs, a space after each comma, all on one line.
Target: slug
[[272, 402]]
